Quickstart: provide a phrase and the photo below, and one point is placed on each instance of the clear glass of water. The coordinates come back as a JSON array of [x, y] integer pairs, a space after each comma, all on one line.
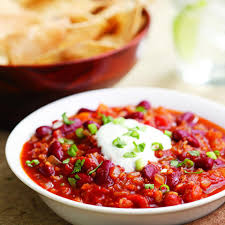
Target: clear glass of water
[[199, 38]]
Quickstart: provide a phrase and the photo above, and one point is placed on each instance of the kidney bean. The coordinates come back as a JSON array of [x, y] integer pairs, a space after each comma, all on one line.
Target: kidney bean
[[204, 162], [188, 117], [172, 198], [47, 170], [67, 129], [183, 135], [179, 135], [56, 149], [173, 179], [102, 174], [135, 115], [149, 171], [81, 110], [138, 200], [85, 124], [193, 141], [84, 179], [145, 104], [43, 131]]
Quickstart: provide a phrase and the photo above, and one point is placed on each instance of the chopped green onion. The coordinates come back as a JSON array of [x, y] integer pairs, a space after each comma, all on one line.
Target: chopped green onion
[[72, 150], [119, 143], [34, 161], [129, 155], [164, 186], [66, 119], [72, 181], [66, 161], [211, 155], [139, 164], [217, 152], [140, 147], [92, 128], [149, 186], [62, 184], [79, 132], [141, 109], [119, 120], [94, 170], [157, 146], [188, 163], [77, 177], [78, 166], [65, 141], [196, 172], [194, 153], [134, 134], [106, 119], [174, 163], [168, 133]]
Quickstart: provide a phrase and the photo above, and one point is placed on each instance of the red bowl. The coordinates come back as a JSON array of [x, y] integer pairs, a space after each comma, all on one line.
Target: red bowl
[[27, 87]]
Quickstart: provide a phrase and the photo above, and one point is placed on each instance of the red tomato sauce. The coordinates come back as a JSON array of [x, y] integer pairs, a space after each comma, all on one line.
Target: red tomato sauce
[[66, 160]]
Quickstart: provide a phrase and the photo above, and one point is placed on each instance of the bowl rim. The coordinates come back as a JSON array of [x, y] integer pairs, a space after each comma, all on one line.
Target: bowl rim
[[131, 43], [103, 209]]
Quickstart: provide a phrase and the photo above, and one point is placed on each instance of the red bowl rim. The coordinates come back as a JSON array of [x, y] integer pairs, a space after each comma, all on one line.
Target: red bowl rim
[[133, 42]]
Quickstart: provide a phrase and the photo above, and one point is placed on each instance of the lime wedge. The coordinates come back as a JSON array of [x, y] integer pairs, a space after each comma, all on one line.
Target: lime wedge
[[185, 29]]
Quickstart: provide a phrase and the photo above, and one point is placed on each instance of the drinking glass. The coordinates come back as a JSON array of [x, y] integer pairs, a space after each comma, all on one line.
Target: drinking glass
[[199, 40]]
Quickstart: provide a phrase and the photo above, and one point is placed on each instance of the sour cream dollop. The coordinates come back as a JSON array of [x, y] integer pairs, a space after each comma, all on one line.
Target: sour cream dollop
[[131, 134]]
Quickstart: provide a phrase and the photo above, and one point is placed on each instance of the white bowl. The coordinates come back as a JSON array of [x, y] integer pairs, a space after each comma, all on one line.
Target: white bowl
[[84, 214]]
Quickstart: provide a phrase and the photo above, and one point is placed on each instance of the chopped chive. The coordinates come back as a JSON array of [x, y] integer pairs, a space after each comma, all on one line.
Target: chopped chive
[[78, 166], [157, 146], [72, 150], [149, 186], [72, 181], [77, 177], [217, 152], [119, 143], [129, 155], [168, 133], [139, 164], [94, 170], [174, 163], [211, 155], [164, 186], [194, 153], [196, 172], [106, 119], [66, 161], [119, 120], [65, 141], [139, 147], [92, 128], [66, 120], [188, 163], [79, 132], [141, 109]]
